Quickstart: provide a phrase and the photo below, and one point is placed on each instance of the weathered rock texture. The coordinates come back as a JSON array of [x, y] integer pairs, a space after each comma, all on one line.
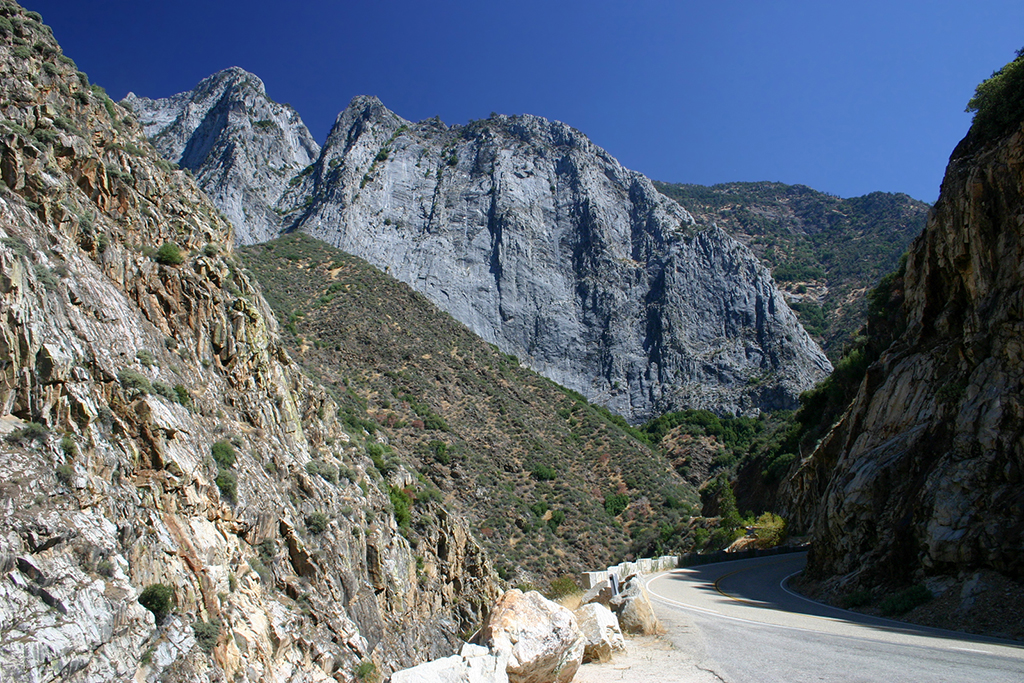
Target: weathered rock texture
[[541, 243], [541, 638], [131, 370], [923, 475], [601, 630], [242, 146]]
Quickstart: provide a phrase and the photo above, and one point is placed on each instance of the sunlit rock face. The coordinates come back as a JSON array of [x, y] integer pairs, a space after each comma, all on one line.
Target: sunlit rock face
[[543, 244]]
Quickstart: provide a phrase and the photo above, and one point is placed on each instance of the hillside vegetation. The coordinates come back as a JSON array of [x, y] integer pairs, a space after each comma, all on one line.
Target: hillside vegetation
[[550, 483], [824, 251]]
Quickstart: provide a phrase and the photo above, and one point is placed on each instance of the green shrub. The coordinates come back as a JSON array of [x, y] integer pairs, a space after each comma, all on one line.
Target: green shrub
[[164, 389], [206, 633], [223, 453], [904, 601], [325, 470], [562, 586], [401, 503], [557, 517], [65, 473], [32, 431], [770, 530], [998, 102], [105, 568], [543, 473], [365, 670], [440, 450], [227, 482], [45, 136], [855, 599], [182, 395], [616, 503], [156, 597], [22, 52], [146, 358], [169, 254], [316, 523]]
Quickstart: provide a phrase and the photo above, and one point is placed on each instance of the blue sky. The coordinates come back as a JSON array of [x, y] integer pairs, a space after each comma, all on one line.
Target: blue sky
[[846, 97]]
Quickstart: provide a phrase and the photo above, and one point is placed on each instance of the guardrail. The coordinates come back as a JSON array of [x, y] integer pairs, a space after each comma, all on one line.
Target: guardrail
[[651, 565]]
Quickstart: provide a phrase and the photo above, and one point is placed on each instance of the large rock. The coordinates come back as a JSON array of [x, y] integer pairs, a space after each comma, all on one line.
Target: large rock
[[474, 664], [601, 630], [633, 607], [541, 243], [923, 474], [541, 638]]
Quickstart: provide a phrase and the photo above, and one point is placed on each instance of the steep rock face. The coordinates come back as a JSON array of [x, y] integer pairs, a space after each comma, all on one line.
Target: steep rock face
[[242, 146], [923, 474], [118, 375], [541, 243], [544, 245]]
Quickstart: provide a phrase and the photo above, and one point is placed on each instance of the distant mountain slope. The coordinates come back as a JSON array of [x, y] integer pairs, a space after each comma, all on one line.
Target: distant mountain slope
[[242, 146], [544, 245], [530, 464], [825, 252]]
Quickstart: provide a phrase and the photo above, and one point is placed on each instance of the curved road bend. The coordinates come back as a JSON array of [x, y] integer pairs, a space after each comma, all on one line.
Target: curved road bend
[[744, 625]]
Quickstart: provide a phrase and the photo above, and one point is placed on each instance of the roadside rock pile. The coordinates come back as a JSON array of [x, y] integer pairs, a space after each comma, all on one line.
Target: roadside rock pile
[[530, 639]]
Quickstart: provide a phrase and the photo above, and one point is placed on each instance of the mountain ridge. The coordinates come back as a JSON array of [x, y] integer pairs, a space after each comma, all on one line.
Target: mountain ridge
[[543, 244]]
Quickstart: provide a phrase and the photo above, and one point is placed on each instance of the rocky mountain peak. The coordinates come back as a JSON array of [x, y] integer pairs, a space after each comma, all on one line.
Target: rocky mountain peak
[[543, 244], [234, 138]]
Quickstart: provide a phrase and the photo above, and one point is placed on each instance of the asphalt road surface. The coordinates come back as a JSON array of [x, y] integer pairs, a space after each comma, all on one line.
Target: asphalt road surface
[[744, 625]]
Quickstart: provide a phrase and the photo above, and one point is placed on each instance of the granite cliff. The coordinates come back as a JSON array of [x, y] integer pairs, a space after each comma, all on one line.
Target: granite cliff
[[921, 477], [201, 131], [157, 433], [541, 243]]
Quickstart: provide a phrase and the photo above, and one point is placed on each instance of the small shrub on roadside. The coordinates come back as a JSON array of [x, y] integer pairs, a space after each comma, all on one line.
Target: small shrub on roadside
[[904, 601], [855, 599], [562, 586]]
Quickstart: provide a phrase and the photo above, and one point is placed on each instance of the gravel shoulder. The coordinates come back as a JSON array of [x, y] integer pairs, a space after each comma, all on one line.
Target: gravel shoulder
[[656, 659]]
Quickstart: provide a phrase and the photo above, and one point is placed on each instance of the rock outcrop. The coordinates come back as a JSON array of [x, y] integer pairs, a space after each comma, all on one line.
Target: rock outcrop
[[543, 244], [923, 474], [242, 146], [157, 433]]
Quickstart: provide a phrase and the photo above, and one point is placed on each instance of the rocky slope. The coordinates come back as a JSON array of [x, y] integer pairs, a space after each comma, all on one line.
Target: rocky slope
[[922, 475], [825, 252], [157, 432], [541, 243], [528, 464], [242, 146]]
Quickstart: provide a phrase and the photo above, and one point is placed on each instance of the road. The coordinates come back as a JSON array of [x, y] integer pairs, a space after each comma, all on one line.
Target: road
[[741, 623]]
